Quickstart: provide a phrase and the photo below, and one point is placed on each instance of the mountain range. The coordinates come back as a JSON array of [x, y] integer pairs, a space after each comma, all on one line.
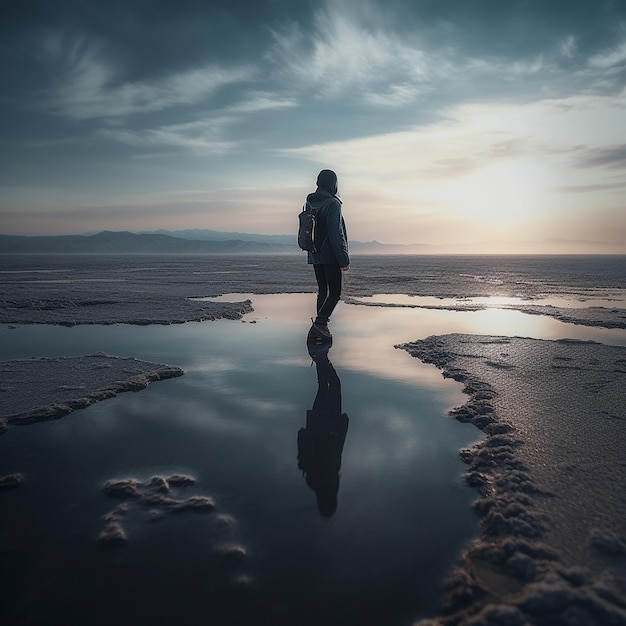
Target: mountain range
[[217, 242], [177, 242]]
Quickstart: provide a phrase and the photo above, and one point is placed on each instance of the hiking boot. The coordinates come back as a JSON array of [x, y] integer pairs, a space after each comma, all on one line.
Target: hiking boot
[[319, 333]]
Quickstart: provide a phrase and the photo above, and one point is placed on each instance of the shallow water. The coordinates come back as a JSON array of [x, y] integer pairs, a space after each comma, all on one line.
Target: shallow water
[[614, 299], [232, 422], [403, 511]]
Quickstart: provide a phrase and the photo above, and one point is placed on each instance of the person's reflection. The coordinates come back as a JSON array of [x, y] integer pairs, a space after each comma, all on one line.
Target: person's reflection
[[320, 443]]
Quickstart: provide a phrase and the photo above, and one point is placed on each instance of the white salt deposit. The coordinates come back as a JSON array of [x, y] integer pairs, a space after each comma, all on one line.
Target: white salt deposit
[[551, 477], [38, 389]]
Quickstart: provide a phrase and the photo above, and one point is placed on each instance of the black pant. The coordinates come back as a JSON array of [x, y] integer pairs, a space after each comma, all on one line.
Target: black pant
[[329, 290]]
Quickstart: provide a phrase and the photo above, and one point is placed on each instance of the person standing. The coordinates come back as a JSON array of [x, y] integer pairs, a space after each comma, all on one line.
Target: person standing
[[333, 257]]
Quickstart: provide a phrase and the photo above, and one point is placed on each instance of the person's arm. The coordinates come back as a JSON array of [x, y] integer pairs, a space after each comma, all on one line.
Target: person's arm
[[336, 235]]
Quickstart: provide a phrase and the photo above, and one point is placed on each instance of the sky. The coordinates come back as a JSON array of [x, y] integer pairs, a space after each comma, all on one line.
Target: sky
[[467, 125]]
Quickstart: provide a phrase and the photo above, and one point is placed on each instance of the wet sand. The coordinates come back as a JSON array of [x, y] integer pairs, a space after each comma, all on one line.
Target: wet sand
[[551, 477]]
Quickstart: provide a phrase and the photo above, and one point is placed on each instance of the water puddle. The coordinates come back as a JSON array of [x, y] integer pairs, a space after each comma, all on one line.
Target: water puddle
[[572, 302], [316, 517], [311, 523]]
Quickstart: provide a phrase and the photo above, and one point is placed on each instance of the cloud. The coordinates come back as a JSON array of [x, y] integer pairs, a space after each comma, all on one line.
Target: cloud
[[468, 136], [257, 101], [342, 54], [611, 58], [89, 87], [353, 52], [447, 149], [613, 157], [567, 47], [591, 188], [203, 136], [488, 166], [397, 95]]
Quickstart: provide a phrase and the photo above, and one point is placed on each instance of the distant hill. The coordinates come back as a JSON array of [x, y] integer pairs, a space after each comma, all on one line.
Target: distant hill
[[375, 247], [357, 247], [216, 242], [108, 242], [179, 242], [203, 234]]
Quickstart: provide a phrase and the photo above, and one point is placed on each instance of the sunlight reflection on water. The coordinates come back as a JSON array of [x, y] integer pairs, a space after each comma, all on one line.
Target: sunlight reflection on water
[[372, 329], [617, 300]]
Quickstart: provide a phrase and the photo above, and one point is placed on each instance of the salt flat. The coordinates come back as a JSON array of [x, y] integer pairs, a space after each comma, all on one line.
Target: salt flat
[[550, 473]]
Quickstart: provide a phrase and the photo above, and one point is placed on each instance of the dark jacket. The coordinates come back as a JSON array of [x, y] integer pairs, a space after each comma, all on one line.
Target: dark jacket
[[332, 230]]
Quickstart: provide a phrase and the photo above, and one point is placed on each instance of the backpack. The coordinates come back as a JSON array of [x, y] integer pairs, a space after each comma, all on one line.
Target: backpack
[[308, 235]]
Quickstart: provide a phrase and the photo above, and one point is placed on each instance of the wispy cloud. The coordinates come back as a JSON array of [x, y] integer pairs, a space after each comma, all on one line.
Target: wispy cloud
[[613, 157], [592, 188], [611, 58], [348, 53], [257, 101], [89, 85], [567, 46], [343, 56], [205, 136]]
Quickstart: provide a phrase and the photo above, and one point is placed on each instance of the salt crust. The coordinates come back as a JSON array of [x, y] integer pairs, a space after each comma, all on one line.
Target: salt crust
[[65, 311], [71, 290], [11, 481], [157, 495], [550, 474], [38, 389], [156, 499]]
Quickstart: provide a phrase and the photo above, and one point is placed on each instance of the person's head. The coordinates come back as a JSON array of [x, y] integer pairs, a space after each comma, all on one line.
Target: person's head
[[327, 179]]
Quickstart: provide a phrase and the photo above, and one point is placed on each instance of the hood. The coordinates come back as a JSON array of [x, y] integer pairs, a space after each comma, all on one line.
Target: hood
[[327, 179], [318, 197]]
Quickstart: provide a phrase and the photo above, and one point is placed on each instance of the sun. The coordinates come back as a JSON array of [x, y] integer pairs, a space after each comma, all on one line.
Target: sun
[[501, 193]]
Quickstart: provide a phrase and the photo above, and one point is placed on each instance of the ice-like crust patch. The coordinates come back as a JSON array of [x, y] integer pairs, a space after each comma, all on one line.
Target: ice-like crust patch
[[550, 475], [151, 309], [11, 481], [37, 389], [159, 497]]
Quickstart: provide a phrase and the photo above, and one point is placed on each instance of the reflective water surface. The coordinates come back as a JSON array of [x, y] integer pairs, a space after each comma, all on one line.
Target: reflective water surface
[[336, 478], [616, 299], [314, 522]]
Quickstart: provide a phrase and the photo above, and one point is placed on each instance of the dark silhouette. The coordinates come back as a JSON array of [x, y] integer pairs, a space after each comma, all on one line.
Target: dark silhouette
[[320, 443], [333, 257]]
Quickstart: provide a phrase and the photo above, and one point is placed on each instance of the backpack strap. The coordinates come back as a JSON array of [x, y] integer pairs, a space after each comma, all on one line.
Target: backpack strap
[[317, 211]]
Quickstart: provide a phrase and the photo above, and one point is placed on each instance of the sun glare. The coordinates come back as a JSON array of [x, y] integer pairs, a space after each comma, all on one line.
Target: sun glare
[[502, 193]]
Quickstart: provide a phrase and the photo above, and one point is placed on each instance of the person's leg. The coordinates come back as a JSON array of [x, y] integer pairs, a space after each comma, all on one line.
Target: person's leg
[[322, 285], [328, 399], [333, 281]]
